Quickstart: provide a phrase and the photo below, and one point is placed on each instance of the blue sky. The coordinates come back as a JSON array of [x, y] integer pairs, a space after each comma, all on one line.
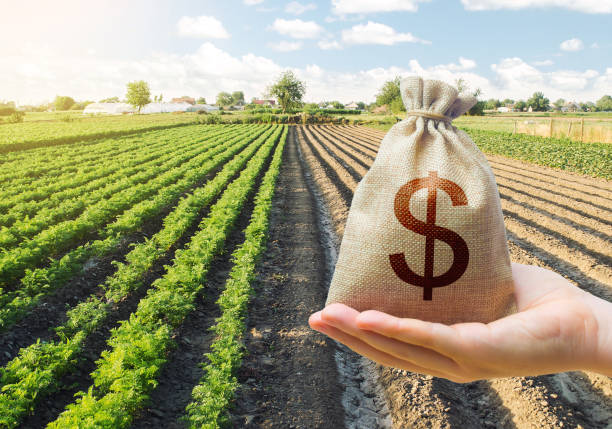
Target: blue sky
[[343, 49]]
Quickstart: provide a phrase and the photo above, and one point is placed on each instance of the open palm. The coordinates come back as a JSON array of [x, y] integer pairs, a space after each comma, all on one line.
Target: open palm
[[555, 329]]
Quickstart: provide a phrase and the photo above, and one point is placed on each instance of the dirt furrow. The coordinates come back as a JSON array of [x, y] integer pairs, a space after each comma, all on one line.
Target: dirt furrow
[[352, 163], [573, 236], [362, 143], [341, 159], [596, 196], [335, 197], [587, 215], [340, 143], [348, 143], [557, 177], [581, 262]]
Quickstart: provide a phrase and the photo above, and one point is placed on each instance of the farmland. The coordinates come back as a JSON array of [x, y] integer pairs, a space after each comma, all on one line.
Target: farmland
[[160, 273]]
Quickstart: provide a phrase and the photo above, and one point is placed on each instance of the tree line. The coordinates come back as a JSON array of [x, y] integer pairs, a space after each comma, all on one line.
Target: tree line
[[389, 96]]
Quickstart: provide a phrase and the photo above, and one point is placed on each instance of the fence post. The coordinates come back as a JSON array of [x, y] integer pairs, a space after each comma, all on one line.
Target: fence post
[[569, 129], [514, 132], [582, 129], [550, 129]]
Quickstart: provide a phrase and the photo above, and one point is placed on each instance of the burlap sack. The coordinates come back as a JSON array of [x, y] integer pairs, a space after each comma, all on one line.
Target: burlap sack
[[425, 235]]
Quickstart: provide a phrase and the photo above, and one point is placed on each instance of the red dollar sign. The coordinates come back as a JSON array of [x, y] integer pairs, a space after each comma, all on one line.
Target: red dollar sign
[[432, 232]]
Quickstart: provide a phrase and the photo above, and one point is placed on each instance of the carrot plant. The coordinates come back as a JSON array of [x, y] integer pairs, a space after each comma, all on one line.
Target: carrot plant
[[126, 373], [24, 381], [213, 395]]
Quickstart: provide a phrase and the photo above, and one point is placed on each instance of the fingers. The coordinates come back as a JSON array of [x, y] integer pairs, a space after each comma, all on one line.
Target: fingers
[[434, 336], [364, 349], [343, 320]]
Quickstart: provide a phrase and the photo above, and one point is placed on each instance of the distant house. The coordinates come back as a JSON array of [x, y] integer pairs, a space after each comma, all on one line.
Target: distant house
[[384, 109], [266, 103], [505, 109], [570, 106], [185, 99], [329, 106], [352, 106]]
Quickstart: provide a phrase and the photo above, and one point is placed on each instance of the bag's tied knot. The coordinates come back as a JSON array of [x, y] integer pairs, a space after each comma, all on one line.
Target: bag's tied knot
[[429, 115]]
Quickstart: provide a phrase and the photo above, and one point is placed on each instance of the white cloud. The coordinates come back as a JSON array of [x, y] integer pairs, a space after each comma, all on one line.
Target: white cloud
[[343, 7], [31, 78], [595, 45], [572, 45], [543, 63], [514, 76], [374, 33], [201, 27], [586, 6], [327, 45], [285, 46], [297, 8], [297, 28], [252, 2]]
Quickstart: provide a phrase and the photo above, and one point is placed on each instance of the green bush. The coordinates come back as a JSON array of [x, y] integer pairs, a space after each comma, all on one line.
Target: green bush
[[16, 117], [7, 110]]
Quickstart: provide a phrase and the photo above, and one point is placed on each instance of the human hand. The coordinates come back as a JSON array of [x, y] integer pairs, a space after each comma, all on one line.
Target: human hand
[[558, 327]]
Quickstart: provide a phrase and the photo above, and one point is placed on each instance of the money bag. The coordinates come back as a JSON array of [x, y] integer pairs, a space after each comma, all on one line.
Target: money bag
[[425, 235]]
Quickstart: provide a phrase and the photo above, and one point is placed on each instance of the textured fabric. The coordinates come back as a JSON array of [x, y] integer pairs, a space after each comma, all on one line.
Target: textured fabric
[[425, 235]]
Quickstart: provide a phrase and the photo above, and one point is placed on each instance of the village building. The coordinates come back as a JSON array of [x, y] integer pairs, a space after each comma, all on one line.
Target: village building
[[265, 103], [184, 99]]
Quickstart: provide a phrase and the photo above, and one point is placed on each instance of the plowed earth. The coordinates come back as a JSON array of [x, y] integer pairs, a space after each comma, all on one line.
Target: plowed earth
[[554, 219]]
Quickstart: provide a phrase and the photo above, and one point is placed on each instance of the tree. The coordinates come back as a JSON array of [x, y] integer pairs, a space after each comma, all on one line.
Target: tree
[[138, 94], [80, 105], [508, 101], [288, 90], [478, 108], [461, 85], [224, 99], [158, 98], [604, 103], [538, 102], [389, 92], [63, 103], [201, 100], [559, 104], [361, 105], [589, 106], [492, 104], [238, 97], [310, 107], [337, 105], [520, 105], [110, 100]]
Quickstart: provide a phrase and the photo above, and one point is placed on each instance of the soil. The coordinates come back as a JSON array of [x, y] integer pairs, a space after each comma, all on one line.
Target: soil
[[554, 219], [289, 378]]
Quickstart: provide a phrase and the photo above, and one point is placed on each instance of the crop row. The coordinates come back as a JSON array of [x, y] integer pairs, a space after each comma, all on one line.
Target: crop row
[[37, 369], [37, 283], [59, 237], [594, 159], [60, 208], [126, 373], [54, 174], [17, 137], [213, 395]]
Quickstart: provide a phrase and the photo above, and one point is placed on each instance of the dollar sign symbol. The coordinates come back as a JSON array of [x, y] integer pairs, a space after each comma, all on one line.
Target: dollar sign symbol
[[432, 232]]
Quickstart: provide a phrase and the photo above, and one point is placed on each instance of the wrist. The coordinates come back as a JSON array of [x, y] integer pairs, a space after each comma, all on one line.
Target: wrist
[[602, 310]]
